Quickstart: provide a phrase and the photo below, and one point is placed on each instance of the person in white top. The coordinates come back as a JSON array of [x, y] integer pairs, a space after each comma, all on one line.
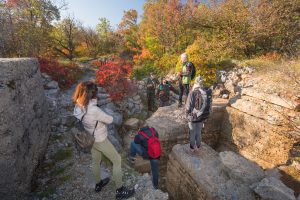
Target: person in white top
[[85, 99]]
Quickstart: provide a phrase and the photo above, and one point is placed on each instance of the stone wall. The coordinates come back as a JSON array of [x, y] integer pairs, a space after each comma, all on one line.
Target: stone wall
[[23, 125]]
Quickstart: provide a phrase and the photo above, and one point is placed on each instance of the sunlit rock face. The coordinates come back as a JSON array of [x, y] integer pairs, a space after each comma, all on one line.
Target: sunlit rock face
[[23, 124]]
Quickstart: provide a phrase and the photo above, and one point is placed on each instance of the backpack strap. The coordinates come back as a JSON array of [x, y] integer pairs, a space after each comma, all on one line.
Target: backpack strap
[[95, 128], [95, 125], [145, 135]]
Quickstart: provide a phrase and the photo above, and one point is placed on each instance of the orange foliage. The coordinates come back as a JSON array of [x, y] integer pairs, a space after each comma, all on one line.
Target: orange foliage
[[114, 77]]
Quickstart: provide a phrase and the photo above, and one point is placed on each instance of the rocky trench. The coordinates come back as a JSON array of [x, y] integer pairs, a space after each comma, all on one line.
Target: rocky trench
[[247, 147]]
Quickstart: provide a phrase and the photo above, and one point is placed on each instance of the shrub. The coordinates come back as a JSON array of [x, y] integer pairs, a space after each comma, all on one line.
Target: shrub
[[65, 74], [114, 77]]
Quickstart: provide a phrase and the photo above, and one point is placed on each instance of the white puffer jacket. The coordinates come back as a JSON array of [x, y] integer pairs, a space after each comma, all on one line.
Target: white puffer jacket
[[94, 114]]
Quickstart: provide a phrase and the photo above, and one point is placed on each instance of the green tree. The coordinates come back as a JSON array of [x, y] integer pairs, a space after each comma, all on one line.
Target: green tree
[[66, 36], [26, 26]]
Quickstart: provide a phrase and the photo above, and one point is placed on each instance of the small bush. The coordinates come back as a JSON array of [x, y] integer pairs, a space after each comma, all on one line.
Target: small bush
[[63, 154], [114, 77], [65, 74]]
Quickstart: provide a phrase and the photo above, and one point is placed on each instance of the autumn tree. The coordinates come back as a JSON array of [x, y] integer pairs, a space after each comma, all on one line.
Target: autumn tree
[[66, 36], [90, 41], [128, 30], [26, 26]]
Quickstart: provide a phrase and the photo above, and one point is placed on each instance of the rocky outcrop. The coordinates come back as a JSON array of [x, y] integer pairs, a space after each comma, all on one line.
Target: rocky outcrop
[[207, 175], [273, 189], [210, 175], [23, 124], [260, 124]]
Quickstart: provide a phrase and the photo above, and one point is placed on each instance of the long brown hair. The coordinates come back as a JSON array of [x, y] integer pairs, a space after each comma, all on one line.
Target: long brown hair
[[84, 92]]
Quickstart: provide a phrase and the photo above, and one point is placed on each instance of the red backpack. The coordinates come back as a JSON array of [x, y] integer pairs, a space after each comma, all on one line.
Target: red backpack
[[154, 150]]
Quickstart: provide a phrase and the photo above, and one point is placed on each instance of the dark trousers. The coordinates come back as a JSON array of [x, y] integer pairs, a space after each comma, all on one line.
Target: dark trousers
[[163, 103], [151, 100], [138, 149], [183, 89]]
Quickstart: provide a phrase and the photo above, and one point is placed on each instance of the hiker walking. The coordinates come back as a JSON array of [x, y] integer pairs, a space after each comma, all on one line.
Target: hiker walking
[[147, 145], [198, 108], [152, 83], [163, 92], [95, 122], [187, 73]]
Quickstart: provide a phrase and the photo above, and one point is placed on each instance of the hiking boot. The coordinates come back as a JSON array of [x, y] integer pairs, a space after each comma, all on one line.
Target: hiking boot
[[192, 150], [131, 160], [101, 184], [124, 193], [197, 148], [179, 105]]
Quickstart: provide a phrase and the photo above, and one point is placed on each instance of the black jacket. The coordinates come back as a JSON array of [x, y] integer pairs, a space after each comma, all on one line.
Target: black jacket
[[139, 139]]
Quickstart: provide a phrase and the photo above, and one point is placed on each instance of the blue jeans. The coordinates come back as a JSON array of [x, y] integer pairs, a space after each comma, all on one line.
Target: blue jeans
[[138, 149]]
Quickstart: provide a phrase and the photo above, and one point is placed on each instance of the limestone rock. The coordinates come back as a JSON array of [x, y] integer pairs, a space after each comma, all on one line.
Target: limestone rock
[[256, 139], [51, 85], [200, 176], [274, 99], [137, 98], [132, 123], [273, 189], [170, 122], [240, 168], [261, 109], [23, 125], [145, 190], [275, 173]]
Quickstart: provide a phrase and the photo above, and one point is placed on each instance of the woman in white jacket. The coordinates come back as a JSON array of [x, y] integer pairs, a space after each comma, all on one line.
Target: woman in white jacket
[[95, 120]]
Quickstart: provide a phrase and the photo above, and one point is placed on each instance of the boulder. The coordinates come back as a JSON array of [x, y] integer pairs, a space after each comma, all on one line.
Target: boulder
[[137, 98], [240, 168], [23, 125], [132, 123], [273, 189], [51, 85], [201, 176], [172, 127]]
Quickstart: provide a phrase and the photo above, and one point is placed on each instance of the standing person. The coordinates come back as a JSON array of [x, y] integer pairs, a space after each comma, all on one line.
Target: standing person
[[198, 108], [96, 121], [152, 83], [163, 92], [186, 75], [140, 146]]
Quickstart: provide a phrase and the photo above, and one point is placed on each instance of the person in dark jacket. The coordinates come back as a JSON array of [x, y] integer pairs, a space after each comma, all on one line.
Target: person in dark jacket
[[163, 92], [152, 83], [140, 147], [195, 123]]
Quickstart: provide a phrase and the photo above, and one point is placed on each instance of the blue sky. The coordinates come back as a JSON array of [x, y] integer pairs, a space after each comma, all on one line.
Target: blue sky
[[89, 11]]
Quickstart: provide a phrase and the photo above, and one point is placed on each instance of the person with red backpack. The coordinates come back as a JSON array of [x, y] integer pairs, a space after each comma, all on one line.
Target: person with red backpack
[[147, 145]]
